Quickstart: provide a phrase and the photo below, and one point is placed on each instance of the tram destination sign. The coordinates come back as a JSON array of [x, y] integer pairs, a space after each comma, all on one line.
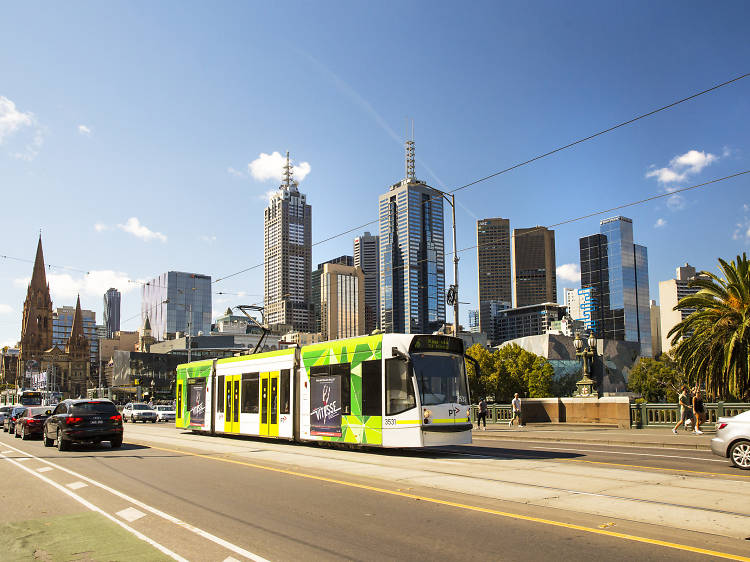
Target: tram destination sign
[[446, 344]]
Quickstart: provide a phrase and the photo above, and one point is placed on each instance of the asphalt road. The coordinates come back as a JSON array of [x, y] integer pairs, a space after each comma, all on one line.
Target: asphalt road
[[199, 503]]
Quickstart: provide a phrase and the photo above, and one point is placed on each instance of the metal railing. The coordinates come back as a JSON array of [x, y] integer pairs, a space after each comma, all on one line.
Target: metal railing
[[646, 414]]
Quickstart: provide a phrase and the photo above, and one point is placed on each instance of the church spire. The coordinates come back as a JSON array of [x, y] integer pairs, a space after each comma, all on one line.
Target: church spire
[[38, 277], [77, 330]]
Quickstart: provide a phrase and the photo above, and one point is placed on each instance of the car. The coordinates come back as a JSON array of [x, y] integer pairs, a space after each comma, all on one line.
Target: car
[[165, 413], [31, 421], [83, 421], [4, 410], [9, 424], [732, 439], [138, 411]]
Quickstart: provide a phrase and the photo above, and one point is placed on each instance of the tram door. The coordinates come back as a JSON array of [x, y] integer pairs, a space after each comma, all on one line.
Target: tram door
[[269, 404], [178, 414], [232, 403]]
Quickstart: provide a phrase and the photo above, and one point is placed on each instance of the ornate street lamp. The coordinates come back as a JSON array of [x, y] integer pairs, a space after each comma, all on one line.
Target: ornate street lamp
[[585, 386]]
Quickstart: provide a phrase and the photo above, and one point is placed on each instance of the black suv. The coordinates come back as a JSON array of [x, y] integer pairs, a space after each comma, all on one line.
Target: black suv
[[83, 421]]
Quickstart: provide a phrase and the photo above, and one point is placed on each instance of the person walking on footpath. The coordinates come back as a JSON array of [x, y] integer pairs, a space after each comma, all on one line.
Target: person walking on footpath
[[482, 416], [516, 405], [698, 410], [686, 408]]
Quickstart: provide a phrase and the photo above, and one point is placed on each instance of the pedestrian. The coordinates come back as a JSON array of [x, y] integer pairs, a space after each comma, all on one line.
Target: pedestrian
[[686, 409], [482, 416], [516, 406], [698, 410]]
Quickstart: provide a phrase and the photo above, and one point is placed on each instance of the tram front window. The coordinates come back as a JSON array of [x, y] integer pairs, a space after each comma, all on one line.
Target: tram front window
[[440, 378]]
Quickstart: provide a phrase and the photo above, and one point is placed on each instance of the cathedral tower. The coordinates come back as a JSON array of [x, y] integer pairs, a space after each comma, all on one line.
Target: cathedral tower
[[36, 327]]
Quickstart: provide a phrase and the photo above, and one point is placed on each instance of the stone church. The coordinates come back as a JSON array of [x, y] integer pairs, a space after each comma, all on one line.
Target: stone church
[[52, 367]]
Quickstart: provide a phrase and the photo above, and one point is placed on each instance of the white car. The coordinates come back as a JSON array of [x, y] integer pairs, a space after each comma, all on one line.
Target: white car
[[134, 412], [165, 413], [732, 440]]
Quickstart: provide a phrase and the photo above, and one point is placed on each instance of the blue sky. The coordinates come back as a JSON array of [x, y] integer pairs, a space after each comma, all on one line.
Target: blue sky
[[127, 130]]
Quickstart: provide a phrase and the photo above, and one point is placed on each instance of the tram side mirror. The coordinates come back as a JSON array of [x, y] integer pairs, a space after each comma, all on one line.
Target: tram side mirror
[[475, 363], [398, 354]]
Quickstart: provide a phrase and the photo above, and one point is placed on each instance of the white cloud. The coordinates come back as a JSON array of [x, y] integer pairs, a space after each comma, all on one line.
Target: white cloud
[[84, 130], [660, 222], [569, 272], [676, 202], [5, 309], [64, 286], [682, 166], [742, 228], [271, 167], [101, 227], [12, 120], [236, 173], [133, 226], [267, 195], [33, 145]]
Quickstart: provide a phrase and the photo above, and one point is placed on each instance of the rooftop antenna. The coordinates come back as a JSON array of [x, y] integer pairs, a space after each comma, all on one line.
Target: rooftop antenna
[[288, 174], [410, 175]]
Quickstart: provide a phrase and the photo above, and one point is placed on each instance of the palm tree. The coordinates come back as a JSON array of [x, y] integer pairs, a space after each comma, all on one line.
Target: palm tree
[[713, 343]]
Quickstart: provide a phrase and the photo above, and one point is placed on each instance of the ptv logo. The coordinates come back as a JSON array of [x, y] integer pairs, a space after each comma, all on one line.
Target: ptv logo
[[453, 411]]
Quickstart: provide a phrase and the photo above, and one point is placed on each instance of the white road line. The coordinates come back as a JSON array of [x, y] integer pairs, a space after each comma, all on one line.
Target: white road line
[[624, 453], [21, 459], [44, 469], [76, 485], [131, 514], [96, 509], [200, 532], [6, 452]]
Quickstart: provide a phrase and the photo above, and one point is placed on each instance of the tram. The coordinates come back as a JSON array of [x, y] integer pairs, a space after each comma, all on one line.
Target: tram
[[385, 390], [22, 397]]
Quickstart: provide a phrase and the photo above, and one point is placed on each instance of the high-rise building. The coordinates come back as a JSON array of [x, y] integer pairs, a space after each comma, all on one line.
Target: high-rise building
[[315, 290], [412, 255], [534, 269], [63, 319], [494, 271], [531, 320], [112, 311], [288, 256], [617, 270], [342, 301], [177, 301], [366, 250], [656, 347], [581, 305], [474, 327], [670, 293]]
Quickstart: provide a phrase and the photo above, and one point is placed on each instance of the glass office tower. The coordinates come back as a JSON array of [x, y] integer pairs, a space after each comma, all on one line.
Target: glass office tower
[[617, 270], [177, 302], [112, 311], [412, 256]]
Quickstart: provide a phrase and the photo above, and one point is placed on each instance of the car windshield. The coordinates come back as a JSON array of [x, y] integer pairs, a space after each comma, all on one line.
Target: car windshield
[[441, 378], [141, 407], [17, 411], [5, 409], [89, 408], [38, 412], [163, 408]]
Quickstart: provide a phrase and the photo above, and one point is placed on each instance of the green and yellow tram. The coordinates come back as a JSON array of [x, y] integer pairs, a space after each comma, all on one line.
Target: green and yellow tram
[[385, 390]]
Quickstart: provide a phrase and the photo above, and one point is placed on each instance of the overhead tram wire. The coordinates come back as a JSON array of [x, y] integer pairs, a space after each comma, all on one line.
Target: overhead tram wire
[[47, 265], [527, 162]]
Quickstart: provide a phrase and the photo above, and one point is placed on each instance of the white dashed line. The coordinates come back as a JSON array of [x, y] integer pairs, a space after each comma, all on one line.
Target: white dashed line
[[76, 485], [131, 514], [44, 469], [21, 459]]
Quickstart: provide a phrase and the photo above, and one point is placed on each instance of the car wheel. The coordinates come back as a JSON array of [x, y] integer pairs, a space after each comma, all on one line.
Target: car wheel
[[116, 443], [15, 433], [62, 443], [153, 421], [132, 419], [24, 435], [47, 441], [739, 454]]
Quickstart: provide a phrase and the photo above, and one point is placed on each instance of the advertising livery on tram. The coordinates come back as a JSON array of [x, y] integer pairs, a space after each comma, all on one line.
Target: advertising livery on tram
[[386, 390]]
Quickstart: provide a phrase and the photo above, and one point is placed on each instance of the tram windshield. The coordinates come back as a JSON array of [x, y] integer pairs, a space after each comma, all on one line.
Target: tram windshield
[[441, 378]]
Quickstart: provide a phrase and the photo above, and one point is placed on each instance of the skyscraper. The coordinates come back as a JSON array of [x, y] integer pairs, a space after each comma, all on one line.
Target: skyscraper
[[112, 311], [494, 271], [288, 256], [315, 325], [412, 258], [342, 301], [366, 256], [617, 270], [534, 269], [670, 293], [177, 302]]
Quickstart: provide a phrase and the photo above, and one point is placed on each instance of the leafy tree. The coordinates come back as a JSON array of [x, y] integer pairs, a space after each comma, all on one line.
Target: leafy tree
[[480, 385], [508, 370], [657, 380], [713, 343]]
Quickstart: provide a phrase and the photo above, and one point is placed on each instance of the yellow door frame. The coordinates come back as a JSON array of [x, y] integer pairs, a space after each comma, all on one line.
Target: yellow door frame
[[232, 403], [180, 404]]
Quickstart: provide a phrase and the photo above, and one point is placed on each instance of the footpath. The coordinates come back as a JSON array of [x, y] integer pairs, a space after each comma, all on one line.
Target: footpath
[[660, 437]]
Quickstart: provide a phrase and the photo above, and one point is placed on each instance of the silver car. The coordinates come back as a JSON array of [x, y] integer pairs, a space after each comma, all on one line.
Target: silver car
[[165, 413], [733, 439], [136, 411]]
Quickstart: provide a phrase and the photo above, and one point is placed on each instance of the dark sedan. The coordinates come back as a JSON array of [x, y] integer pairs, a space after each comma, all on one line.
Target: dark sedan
[[83, 421], [31, 421], [9, 423]]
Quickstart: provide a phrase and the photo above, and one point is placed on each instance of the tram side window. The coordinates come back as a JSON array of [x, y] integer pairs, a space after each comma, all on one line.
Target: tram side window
[[399, 390], [220, 395], [285, 391], [371, 388], [250, 400]]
